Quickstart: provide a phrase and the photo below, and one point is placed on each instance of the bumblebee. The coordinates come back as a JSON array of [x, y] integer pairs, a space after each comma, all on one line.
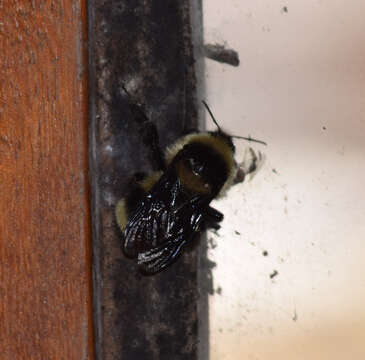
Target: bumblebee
[[165, 210]]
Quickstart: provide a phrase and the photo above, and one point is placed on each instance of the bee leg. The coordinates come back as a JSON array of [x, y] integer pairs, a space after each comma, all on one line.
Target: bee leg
[[149, 136], [213, 214], [212, 217], [212, 225], [148, 131], [151, 140]]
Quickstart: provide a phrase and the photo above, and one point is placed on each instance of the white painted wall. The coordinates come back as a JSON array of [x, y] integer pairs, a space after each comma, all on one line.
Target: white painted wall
[[300, 71]]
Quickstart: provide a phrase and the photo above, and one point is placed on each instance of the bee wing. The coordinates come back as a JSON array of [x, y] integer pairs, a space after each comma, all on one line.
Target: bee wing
[[161, 226], [158, 258], [146, 228]]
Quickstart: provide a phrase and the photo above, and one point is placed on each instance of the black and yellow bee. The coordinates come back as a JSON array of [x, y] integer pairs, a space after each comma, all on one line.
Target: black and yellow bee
[[166, 209]]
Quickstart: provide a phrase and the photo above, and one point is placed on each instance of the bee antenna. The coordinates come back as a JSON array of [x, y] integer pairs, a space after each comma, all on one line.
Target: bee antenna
[[249, 138], [211, 115]]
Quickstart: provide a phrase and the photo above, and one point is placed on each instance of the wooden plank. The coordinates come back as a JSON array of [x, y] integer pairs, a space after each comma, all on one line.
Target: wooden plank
[[147, 48], [45, 307]]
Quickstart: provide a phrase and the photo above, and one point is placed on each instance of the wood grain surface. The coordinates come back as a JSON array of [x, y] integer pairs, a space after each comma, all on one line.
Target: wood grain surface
[[45, 308]]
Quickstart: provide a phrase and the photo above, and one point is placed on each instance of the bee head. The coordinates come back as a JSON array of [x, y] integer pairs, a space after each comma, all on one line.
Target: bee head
[[204, 164]]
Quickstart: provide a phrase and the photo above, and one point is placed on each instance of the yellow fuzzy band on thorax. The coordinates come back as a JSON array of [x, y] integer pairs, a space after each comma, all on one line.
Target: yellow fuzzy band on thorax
[[219, 145], [148, 183], [121, 214]]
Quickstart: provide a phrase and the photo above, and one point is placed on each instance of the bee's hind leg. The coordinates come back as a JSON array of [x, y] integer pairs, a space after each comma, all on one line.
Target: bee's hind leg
[[149, 133], [151, 140], [212, 218], [214, 214]]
